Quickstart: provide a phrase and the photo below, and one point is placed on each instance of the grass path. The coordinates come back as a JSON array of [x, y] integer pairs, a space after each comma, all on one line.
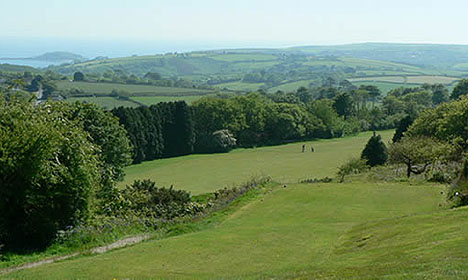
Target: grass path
[[284, 163], [363, 230]]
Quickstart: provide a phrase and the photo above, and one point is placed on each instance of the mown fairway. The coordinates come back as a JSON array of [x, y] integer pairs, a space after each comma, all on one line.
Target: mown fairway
[[356, 230], [285, 163], [363, 230]]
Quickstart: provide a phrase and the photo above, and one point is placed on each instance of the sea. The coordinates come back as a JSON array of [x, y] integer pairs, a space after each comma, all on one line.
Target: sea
[[16, 49]]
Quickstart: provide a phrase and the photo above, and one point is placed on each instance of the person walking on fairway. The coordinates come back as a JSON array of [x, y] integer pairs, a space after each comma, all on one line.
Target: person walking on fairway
[[312, 149], [303, 148]]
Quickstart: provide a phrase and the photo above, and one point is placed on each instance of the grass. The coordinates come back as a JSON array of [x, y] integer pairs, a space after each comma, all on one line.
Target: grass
[[383, 86], [135, 90], [149, 100], [241, 86], [244, 57], [291, 87], [361, 230], [285, 163], [362, 64], [409, 79], [104, 101]]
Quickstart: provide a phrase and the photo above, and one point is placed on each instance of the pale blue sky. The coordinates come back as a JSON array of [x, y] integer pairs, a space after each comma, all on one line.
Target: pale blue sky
[[256, 22]]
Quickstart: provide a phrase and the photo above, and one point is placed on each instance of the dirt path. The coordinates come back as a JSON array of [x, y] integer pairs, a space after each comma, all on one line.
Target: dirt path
[[98, 250]]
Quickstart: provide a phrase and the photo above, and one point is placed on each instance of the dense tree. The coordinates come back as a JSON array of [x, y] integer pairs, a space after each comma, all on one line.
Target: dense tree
[[344, 105], [304, 95], [177, 127], [35, 84], [402, 127], [329, 122], [418, 153], [440, 93], [131, 119], [447, 122], [287, 122], [253, 109], [460, 89], [375, 152], [78, 76], [373, 92], [49, 172], [153, 76], [105, 132], [392, 105]]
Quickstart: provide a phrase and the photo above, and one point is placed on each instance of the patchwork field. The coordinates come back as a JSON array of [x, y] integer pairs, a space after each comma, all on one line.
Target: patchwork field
[[100, 94], [408, 79], [291, 87], [383, 86], [241, 86], [150, 100], [285, 163], [133, 90], [104, 101]]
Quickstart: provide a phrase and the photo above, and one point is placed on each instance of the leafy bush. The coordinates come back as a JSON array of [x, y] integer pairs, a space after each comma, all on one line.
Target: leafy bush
[[316, 180], [352, 166], [143, 199], [458, 192]]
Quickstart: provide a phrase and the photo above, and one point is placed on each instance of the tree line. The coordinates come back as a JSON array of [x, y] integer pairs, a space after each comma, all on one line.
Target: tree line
[[220, 123]]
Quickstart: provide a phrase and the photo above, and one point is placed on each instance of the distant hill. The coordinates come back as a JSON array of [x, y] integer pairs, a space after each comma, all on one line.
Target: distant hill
[[17, 68], [427, 55], [59, 56], [287, 69]]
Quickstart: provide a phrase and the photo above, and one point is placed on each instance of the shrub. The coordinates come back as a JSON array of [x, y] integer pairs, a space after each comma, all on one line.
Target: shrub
[[223, 141], [143, 199], [352, 166]]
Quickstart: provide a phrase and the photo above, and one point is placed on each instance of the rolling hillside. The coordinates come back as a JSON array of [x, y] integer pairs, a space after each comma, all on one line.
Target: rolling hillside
[[290, 68], [360, 229], [333, 231], [134, 95]]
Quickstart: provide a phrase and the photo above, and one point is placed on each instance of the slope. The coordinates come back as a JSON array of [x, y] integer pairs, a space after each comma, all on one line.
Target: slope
[[365, 230]]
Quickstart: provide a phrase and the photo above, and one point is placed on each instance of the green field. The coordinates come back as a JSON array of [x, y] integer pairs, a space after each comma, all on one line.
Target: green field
[[384, 87], [243, 57], [241, 86], [150, 100], [364, 64], [134, 90], [291, 69], [408, 79], [104, 101], [285, 163], [360, 230], [98, 93], [291, 87]]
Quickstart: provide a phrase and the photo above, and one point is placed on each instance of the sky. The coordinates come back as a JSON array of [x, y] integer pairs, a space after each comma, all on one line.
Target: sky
[[203, 24]]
